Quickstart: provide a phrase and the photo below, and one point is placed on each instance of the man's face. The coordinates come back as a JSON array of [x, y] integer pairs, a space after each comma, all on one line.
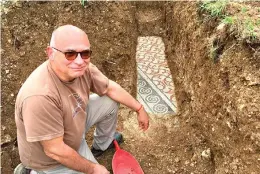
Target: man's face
[[70, 69]]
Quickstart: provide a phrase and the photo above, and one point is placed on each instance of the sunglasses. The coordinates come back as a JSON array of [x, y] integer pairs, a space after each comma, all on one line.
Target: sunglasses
[[72, 55]]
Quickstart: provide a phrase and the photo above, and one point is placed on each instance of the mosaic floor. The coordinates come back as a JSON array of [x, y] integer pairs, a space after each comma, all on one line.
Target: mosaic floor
[[155, 85]]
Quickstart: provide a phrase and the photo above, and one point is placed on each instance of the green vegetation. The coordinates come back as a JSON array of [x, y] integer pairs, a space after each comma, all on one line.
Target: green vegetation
[[215, 8], [241, 20], [244, 9], [250, 28], [229, 20], [82, 2]]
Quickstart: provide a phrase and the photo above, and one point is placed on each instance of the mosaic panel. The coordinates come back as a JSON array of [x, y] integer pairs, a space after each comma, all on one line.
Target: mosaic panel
[[155, 84]]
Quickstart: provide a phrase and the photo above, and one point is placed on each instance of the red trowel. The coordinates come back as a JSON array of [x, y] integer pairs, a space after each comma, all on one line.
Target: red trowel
[[124, 163]]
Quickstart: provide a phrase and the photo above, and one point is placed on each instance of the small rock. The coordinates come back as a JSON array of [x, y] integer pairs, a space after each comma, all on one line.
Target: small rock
[[177, 160], [6, 139], [229, 124], [255, 136], [234, 167], [252, 79], [2, 50], [22, 53], [170, 170], [206, 154], [12, 94], [221, 26], [18, 5], [9, 76], [3, 128], [7, 71]]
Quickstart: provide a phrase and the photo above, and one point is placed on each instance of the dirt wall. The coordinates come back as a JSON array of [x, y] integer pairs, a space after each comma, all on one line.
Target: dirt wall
[[218, 99]]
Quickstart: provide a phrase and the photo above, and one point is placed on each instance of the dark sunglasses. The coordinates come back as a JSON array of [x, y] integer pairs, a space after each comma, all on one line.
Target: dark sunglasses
[[72, 55]]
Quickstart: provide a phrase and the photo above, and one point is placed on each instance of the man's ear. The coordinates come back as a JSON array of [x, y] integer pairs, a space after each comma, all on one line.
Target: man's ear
[[50, 52]]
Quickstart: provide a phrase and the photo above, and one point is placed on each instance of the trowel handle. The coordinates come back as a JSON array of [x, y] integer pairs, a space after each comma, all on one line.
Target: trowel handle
[[116, 145]]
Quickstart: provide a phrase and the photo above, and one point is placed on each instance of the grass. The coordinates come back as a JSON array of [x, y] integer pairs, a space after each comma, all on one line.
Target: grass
[[82, 2], [241, 19], [249, 28], [233, 19], [215, 9], [229, 20], [244, 9]]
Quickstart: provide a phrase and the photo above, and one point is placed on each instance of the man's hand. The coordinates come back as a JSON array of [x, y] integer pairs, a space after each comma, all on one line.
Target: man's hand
[[143, 119], [99, 169], [59, 151]]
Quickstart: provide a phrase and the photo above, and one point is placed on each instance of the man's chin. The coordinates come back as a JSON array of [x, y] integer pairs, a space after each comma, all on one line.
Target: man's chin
[[77, 74]]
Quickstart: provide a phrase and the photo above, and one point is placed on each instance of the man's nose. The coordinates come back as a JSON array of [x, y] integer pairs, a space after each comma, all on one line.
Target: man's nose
[[79, 59]]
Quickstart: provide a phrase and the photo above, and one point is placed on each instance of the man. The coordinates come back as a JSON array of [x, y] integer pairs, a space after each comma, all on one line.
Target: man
[[54, 109]]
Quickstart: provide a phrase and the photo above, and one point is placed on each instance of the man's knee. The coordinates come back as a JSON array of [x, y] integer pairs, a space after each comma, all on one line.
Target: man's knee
[[111, 103]]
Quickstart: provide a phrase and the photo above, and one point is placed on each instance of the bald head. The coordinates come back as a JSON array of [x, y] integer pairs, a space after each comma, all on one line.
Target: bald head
[[67, 34], [68, 40]]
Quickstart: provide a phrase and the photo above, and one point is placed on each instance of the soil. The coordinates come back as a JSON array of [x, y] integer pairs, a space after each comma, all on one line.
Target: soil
[[217, 127]]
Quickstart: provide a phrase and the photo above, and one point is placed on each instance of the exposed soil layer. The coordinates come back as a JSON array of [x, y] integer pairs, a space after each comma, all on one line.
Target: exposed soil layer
[[219, 100], [217, 127]]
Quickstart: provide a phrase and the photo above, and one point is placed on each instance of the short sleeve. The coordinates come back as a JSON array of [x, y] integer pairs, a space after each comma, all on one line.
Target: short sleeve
[[99, 84], [42, 119]]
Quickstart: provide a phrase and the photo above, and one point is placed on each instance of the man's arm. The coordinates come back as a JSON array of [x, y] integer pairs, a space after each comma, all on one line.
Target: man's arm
[[117, 93], [59, 151]]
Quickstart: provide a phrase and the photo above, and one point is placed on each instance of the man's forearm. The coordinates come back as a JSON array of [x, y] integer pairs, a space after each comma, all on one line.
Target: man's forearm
[[117, 93], [71, 159]]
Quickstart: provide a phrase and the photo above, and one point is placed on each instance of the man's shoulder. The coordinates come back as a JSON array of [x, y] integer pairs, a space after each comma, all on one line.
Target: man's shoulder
[[93, 69], [38, 83], [92, 66]]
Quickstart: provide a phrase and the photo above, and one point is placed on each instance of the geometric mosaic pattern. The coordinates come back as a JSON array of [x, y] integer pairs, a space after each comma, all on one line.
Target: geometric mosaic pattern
[[155, 89]]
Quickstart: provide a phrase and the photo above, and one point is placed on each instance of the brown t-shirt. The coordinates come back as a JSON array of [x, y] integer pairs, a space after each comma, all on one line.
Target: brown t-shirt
[[47, 107]]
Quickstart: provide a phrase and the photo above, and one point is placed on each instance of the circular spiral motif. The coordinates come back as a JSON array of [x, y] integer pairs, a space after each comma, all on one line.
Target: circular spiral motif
[[141, 83], [160, 108], [145, 90], [152, 99]]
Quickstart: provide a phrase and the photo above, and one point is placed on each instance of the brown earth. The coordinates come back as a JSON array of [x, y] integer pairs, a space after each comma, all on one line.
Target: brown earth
[[217, 127]]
